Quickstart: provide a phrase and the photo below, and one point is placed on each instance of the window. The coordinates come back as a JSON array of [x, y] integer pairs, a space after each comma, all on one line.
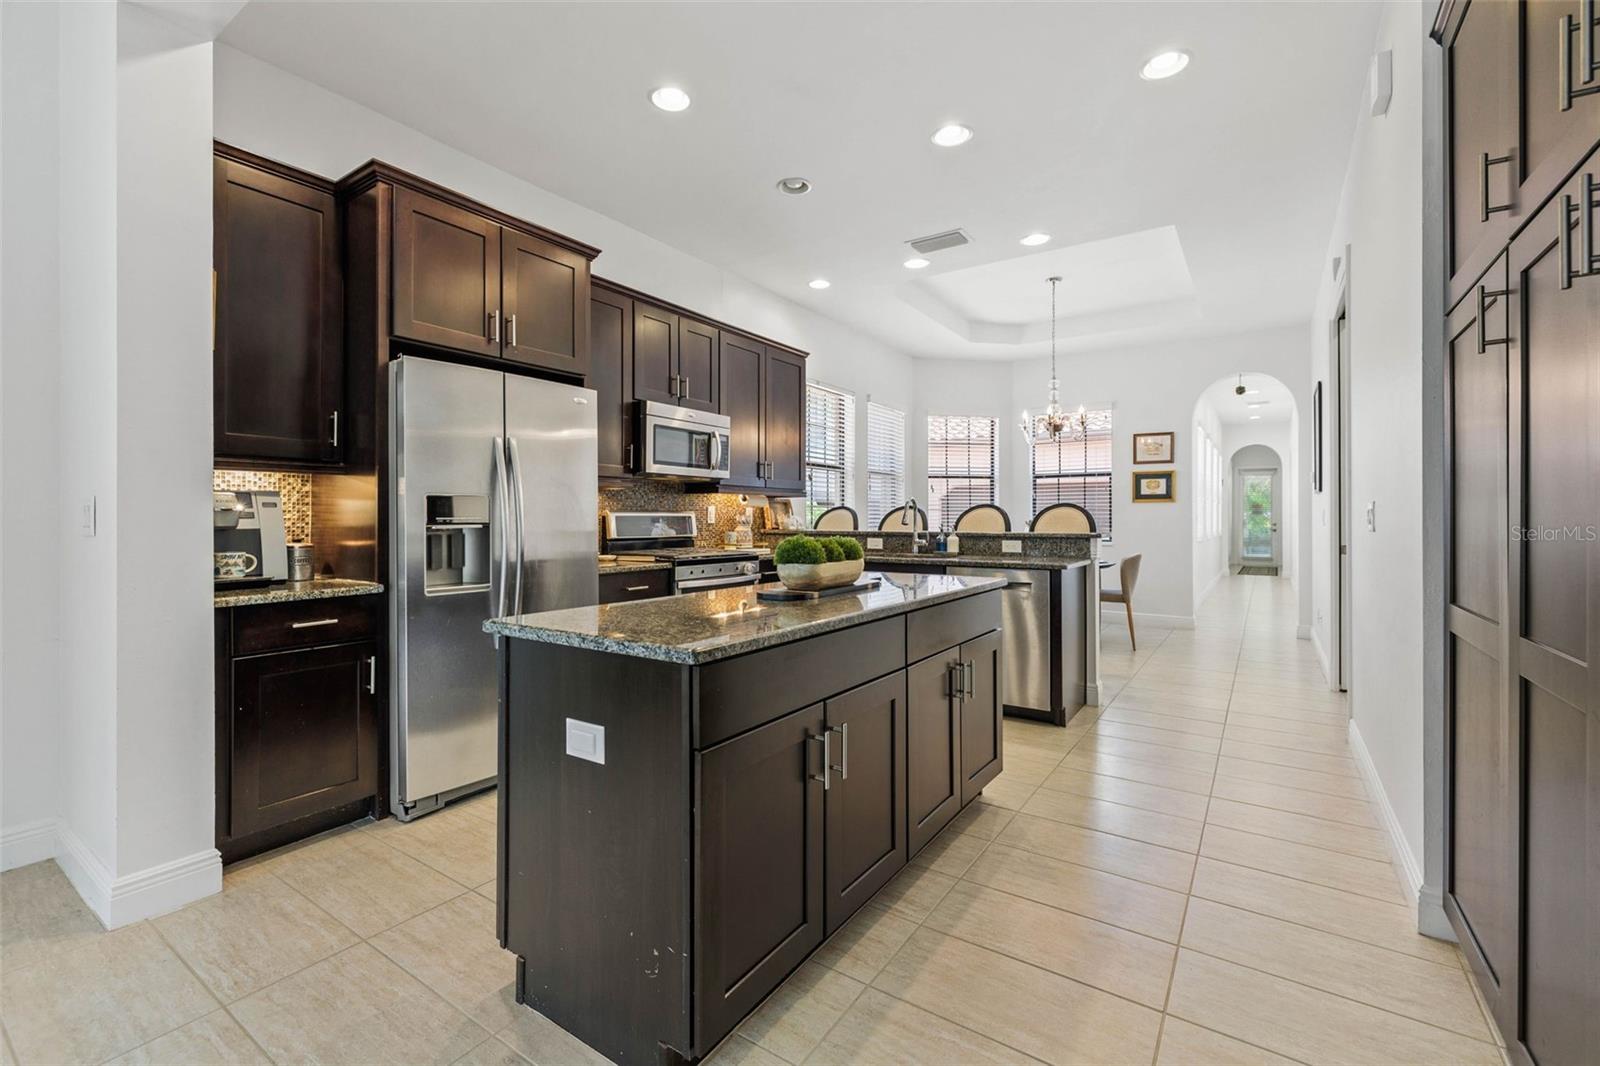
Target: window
[[830, 448], [886, 461], [1208, 485], [961, 466], [1076, 469]]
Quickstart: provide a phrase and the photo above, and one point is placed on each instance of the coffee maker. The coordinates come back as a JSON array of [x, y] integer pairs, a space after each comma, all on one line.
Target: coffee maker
[[247, 541]]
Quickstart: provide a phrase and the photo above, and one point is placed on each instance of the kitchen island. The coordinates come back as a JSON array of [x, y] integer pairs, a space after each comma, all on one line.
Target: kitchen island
[[695, 791]]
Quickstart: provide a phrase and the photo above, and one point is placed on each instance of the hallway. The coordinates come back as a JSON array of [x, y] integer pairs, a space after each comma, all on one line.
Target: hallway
[[1195, 875]]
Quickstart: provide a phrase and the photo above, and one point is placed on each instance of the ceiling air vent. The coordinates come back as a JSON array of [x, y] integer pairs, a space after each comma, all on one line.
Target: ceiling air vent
[[938, 242]]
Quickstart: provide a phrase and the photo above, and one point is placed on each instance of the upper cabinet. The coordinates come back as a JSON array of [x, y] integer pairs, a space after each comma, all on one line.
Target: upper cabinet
[[1522, 106], [611, 370], [278, 354], [762, 389], [464, 281]]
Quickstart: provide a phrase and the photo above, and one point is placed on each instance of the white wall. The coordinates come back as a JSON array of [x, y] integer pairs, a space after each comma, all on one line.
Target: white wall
[[1209, 550], [30, 310], [115, 702], [1378, 234], [966, 387], [276, 114]]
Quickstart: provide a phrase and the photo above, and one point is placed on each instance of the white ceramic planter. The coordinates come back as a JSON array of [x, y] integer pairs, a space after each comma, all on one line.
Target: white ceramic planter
[[809, 577]]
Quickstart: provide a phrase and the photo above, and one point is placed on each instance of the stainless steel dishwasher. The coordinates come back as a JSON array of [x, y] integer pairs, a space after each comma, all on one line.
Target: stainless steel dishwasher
[[1025, 640]]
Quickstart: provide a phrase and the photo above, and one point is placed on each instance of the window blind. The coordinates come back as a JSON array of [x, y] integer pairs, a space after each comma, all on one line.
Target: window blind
[[1076, 469], [830, 448], [961, 466], [886, 461]]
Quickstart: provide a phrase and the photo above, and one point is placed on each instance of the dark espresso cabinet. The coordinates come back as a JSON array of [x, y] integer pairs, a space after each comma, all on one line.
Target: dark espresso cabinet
[[699, 356], [743, 809], [297, 720], [763, 392], [655, 354], [982, 715], [466, 282], [783, 397], [1522, 361], [611, 377], [278, 352]]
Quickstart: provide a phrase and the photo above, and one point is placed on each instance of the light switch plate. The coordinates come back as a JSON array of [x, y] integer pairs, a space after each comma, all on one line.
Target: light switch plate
[[711, 514], [875, 542], [86, 517], [1372, 517], [585, 740], [1011, 546]]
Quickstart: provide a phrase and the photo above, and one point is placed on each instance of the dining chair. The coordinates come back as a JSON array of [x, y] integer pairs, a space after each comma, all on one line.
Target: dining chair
[[983, 518], [895, 521], [1063, 518], [1124, 595], [838, 518]]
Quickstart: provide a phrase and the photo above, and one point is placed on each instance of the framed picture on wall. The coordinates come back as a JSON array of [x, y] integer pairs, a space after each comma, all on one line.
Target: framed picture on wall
[[1154, 447], [1155, 486], [1316, 438]]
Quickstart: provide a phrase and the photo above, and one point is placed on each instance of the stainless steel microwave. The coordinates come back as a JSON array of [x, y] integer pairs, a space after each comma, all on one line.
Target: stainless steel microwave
[[679, 442]]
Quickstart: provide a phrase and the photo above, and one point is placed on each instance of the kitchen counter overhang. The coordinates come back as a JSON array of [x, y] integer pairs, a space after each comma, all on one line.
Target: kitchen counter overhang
[[705, 627]]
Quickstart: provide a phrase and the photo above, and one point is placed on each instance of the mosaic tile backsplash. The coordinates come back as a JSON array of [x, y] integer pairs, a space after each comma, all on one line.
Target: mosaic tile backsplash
[[293, 489], [645, 495]]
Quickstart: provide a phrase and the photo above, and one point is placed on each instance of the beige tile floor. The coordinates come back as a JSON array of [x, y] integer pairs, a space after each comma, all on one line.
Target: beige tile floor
[[1193, 874]]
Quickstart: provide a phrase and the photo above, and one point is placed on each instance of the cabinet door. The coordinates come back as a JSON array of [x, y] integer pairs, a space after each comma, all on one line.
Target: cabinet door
[[545, 300], [278, 353], [982, 715], [742, 365], [784, 421], [933, 748], [655, 354], [1481, 64], [446, 275], [866, 795], [758, 874], [1553, 615], [1551, 135], [698, 358], [638, 585], [304, 734], [611, 377]]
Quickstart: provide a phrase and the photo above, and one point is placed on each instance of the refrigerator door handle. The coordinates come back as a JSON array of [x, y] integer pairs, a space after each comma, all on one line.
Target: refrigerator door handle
[[516, 480], [502, 490]]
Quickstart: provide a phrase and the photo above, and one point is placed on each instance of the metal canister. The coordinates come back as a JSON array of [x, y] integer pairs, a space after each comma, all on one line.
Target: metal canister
[[300, 562]]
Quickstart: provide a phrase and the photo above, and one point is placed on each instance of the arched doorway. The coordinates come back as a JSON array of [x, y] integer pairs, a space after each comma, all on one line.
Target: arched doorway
[[1257, 512]]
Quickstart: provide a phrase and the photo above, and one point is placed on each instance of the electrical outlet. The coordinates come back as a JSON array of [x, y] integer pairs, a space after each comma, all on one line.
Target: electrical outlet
[[585, 740], [711, 514], [86, 517], [875, 543], [1014, 546]]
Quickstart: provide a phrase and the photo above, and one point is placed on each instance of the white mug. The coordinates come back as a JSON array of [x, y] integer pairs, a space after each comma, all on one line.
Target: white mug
[[233, 564]]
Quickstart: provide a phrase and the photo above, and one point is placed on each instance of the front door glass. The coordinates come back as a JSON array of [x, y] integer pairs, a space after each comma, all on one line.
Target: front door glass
[[1257, 539]]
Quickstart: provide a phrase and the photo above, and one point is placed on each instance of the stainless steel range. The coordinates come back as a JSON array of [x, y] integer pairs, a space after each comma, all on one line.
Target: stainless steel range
[[669, 537]]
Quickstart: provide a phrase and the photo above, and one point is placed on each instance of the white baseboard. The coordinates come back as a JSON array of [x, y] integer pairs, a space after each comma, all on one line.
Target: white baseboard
[[145, 894], [1404, 861], [1322, 656], [24, 845], [1218, 576]]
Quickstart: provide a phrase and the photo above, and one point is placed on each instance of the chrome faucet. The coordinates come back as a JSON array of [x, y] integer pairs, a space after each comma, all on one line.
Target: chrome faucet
[[919, 537]]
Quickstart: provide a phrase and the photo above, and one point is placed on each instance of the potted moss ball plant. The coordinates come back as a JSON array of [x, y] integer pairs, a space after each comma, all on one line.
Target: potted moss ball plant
[[811, 564]]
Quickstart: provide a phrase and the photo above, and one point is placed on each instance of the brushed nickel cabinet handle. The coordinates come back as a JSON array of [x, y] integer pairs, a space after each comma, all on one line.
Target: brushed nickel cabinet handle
[[1484, 296], [635, 588], [335, 438], [313, 625], [1588, 68], [1485, 162], [372, 678], [844, 751], [511, 330], [823, 777], [1588, 260], [494, 326]]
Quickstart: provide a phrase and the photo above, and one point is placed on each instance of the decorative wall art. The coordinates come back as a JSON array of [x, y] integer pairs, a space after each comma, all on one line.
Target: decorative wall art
[[1155, 486], [1154, 447]]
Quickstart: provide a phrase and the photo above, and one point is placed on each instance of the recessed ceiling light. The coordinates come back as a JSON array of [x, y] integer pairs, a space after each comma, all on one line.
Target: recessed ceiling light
[[915, 263], [1164, 65], [1255, 418], [1258, 403], [949, 136], [1033, 240], [820, 283], [670, 98], [794, 186]]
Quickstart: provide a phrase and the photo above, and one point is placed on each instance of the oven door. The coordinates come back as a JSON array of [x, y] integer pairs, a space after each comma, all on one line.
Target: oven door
[[681, 448], [703, 584]]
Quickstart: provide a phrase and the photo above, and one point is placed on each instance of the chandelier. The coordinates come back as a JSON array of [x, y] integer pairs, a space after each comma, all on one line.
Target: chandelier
[[1054, 421]]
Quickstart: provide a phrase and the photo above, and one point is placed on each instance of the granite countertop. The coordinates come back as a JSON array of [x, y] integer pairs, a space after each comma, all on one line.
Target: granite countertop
[[703, 627], [997, 562], [318, 588], [632, 568]]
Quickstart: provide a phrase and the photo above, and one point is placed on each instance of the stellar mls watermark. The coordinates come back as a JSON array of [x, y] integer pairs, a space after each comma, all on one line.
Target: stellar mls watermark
[[1542, 534]]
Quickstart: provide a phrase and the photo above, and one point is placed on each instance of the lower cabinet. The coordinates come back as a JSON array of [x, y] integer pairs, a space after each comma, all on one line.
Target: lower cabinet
[[759, 870], [982, 715], [635, 585], [304, 733], [865, 807], [933, 763]]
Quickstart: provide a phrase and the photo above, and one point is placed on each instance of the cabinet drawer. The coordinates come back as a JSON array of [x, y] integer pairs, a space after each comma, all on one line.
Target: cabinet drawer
[[639, 585], [300, 625], [933, 629]]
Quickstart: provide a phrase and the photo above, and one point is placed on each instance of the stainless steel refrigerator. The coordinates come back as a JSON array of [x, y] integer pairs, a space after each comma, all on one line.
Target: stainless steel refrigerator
[[492, 504]]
